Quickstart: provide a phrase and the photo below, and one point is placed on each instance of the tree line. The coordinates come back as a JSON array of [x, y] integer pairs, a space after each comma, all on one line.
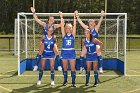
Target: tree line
[[10, 8]]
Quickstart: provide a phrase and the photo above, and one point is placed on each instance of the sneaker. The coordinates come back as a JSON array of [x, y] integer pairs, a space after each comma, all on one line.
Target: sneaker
[[81, 70], [52, 83], [59, 68], [35, 68], [73, 85], [65, 83], [95, 84], [100, 70], [87, 84], [39, 82]]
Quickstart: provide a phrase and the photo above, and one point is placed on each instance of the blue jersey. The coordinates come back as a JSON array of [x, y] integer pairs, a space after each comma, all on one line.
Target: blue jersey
[[94, 33], [90, 46], [48, 43], [48, 52], [46, 29], [68, 52], [68, 42], [91, 55]]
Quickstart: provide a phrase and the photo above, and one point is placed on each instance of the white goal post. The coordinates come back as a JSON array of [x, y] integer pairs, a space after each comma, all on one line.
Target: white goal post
[[114, 40]]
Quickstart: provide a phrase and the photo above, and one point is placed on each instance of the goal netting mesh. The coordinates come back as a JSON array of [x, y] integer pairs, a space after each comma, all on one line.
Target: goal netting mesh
[[112, 33]]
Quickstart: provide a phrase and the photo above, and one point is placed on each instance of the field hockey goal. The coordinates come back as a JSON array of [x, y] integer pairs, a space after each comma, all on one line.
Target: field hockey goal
[[112, 33]]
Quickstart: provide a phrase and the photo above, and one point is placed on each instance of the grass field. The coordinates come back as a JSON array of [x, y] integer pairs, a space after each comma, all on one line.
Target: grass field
[[108, 84]]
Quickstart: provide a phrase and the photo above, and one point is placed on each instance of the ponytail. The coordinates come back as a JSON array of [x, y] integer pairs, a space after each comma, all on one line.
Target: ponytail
[[91, 37]]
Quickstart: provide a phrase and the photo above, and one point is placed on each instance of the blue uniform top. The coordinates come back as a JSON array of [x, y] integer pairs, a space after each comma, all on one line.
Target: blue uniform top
[[68, 42], [46, 29], [49, 43], [94, 33], [90, 46]]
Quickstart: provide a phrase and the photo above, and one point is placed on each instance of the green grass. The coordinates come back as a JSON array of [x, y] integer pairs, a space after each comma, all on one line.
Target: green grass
[[108, 84]]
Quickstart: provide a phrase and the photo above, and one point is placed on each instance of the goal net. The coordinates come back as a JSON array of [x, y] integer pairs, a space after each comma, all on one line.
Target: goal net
[[112, 33]]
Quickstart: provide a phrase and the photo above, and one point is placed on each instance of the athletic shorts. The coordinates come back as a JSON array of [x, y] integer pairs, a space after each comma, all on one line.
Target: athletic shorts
[[68, 54], [48, 55], [91, 57]]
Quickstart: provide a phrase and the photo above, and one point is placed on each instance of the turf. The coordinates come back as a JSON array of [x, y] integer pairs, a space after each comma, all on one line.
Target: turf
[[108, 84]]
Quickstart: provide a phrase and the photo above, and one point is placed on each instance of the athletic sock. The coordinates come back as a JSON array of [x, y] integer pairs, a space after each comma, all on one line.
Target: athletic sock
[[81, 61], [40, 74], [100, 61], [58, 60], [87, 76], [96, 76], [73, 76], [38, 58], [52, 75], [65, 73]]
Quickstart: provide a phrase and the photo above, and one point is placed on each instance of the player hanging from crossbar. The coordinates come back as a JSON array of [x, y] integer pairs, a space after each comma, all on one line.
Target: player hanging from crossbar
[[68, 52], [45, 26], [94, 29]]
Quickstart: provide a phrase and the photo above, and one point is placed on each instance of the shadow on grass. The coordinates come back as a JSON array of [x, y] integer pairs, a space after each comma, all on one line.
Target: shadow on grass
[[52, 89], [110, 79], [13, 75]]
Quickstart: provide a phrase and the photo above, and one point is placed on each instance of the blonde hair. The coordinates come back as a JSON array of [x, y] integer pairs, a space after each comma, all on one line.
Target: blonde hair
[[68, 25]]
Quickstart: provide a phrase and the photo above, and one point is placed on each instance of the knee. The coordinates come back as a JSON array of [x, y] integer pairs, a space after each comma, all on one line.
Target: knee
[[95, 68], [52, 67], [88, 68]]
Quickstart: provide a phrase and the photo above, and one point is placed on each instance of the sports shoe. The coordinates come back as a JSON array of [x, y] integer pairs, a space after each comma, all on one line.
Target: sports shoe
[[87, 84], [81, 70], [39, 82], [65, 83], [59, 68], [100, 70], [35, 68], [52, 83], [95, 84], [73, 85]]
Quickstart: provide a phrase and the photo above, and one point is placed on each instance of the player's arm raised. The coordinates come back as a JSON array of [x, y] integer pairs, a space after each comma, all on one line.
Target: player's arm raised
[[74, 25], [80, 21], [100, 21], [95, 40], [43, 24], [62, 24]]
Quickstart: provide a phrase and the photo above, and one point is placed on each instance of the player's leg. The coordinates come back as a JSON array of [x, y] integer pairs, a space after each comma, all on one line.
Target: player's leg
[[95, 68], [65, 72], [43, 62], [88, 72], [38, 56], [58, 58], [73, 73], [52, 71], [83, 53], [100, 59]]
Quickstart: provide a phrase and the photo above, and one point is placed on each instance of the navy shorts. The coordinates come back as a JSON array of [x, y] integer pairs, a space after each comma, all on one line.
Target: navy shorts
[[68, 54], [92, 57], [48, 55]]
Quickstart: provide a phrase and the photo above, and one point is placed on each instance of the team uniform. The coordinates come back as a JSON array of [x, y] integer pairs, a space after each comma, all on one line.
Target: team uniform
[[68, 51], [46, 29], [48, 52], [38, 57], [91, 55], [94, 33], [100, 59]]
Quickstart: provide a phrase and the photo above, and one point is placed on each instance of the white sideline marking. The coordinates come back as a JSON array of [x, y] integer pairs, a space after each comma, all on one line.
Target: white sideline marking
[[9, 90], [70, 75], [132, 90]]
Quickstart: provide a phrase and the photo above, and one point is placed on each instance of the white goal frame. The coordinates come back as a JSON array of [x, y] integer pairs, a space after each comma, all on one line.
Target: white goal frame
[[17, 44]]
